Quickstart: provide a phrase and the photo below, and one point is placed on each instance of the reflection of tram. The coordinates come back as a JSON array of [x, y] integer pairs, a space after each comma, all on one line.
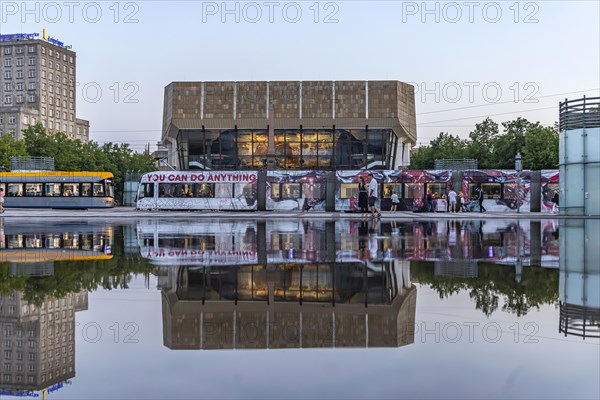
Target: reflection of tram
[[320, 190], [39, 244], [52, 189]]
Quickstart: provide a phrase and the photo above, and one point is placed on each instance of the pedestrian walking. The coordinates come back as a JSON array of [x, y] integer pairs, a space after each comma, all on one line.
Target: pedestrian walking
[[480, 199], [452, 200], [363, 197], [395, 201], [429, 200], [373, 196]]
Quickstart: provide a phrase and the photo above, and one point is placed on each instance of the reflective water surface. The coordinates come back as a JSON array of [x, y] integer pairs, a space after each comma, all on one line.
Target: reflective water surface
[[300, 309]]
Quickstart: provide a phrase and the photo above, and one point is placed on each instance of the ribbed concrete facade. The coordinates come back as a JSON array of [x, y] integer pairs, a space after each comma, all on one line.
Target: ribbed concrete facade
[[303, 105]]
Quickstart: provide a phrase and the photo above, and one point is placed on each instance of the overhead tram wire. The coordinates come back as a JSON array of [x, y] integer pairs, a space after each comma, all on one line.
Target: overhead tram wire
[[503, 102]]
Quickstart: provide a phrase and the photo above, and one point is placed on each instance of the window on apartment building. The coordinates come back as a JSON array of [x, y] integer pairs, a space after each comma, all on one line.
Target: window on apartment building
[[12, 119], [50, 76], [43, 62], [19, 98], [19, 62], [7, 99], [31, 60], [32, 98], [7, 75], [50, 88], [8, 62], [8, 87], [19, 86], [31, 73], [43, 110], [31, 85], [32, 49], [43, 50], [58, 67], [20, 74], [43, 74], [7, 50], [50, 52]]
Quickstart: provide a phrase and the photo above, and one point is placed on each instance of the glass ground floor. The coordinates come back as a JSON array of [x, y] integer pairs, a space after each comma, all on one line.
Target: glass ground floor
[[294, 148]]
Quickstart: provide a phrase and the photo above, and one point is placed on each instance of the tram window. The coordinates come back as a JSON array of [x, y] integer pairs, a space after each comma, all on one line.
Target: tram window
[[147, 190], [472, 190], [14, 189], [182, 190], [205, 190], [290, 191], [242, 189], [71, 189], [389, 188], [70, 240], [166, 190], [86, 189], [110, 188], [14, 241], [53, 241], [98, 190], [313, 190], [275, 190], [413, 190], [33, 242], [491, 190], [3, 187], [509, 191], [223, 190], [439, 188], [348, 190], [33, 189], [53, 189]]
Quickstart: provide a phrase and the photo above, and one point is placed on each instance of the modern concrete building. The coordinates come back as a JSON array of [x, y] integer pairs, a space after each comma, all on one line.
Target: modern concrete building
[[289, 125], [37, 85]]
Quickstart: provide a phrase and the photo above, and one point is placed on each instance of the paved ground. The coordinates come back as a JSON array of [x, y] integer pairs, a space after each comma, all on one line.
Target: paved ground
[[120, 213]]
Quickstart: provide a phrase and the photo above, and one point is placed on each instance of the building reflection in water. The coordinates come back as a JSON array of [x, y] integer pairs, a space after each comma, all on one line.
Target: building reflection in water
[[275, 285], [579, 286], [37, 349], [241, 284]]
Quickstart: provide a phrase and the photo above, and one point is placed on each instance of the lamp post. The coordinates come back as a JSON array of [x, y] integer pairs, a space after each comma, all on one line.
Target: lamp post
[[518, 168]]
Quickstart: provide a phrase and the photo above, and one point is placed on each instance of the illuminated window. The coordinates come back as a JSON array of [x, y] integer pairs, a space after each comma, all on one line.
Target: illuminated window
[[348, 190]]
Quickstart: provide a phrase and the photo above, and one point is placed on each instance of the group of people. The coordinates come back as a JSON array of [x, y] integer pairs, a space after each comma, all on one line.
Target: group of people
[[456, 202], [367, 197]]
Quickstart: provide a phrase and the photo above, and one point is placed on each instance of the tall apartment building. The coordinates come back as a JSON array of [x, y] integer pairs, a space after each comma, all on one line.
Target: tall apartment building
[[37, 85], [37, 349]]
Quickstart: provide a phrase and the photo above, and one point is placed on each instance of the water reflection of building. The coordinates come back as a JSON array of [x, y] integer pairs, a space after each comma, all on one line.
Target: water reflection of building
[[38, 345], [579, 278], [288, 306]]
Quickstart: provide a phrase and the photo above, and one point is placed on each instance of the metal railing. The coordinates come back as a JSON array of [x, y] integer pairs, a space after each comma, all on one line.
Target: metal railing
[[579, 113], [32, 164], [456, 164]]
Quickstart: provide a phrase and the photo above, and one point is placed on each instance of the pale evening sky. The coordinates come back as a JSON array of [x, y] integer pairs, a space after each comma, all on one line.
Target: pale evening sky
[[467, 60]]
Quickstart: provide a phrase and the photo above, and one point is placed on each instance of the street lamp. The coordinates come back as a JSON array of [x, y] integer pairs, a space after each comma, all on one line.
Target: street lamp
[[518, 168]]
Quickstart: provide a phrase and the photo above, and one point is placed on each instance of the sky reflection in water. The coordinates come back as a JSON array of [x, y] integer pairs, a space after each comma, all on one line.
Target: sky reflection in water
[[297, 309]]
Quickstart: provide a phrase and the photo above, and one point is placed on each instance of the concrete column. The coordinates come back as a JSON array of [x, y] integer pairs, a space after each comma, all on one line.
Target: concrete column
[[536, 191], [330, 189], [261, 191]]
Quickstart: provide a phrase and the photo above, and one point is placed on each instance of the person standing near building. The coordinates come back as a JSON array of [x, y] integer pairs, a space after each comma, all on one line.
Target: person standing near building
[[452, 201], [480, 199], [373, 196], [395, 201], [363, 197]]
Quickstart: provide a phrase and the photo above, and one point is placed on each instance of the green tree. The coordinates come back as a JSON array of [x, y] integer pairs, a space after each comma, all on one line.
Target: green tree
[[541, 148], [511, 142], [442, 147], [9, 147], [480, 145]]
